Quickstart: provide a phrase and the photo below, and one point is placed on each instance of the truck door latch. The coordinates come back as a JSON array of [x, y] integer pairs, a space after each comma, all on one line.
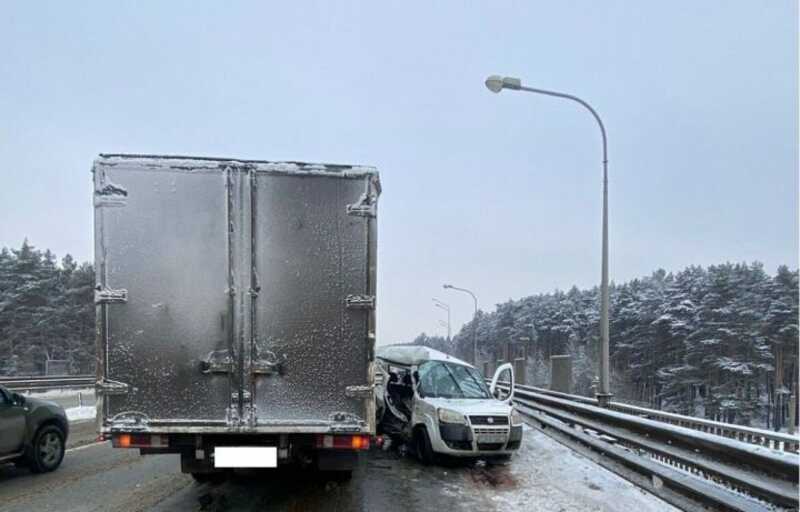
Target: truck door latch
[[217, 362], [266, 362]]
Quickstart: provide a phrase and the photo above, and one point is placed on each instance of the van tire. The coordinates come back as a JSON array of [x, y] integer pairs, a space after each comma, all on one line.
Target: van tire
[[422, 445]]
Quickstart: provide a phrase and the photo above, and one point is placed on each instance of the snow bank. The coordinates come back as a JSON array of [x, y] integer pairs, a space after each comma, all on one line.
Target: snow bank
[[87, 412], [58, 393]]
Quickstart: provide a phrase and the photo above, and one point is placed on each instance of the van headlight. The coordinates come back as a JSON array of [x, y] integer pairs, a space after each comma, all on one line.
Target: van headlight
[[516, 417], [448, 416]]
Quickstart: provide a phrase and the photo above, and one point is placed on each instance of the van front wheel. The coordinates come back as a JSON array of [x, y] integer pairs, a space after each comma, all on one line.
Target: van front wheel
[[423, 447]]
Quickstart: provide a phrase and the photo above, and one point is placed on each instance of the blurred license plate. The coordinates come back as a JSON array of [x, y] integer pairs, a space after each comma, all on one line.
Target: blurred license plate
[[492, 438], [245, 457]]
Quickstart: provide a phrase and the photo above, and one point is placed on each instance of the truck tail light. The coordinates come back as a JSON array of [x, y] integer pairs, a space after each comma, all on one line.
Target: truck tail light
[[343, 442], [139, 441]]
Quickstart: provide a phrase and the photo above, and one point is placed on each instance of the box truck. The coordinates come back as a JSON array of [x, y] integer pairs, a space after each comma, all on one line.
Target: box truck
[[235, 304]]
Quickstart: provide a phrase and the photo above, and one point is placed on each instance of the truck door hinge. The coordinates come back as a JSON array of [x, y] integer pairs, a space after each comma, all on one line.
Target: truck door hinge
[[111, 387], [345, 422], [360, 301], [366, 206], [245, 396], [110, 195], [364, 391], [104, 295]]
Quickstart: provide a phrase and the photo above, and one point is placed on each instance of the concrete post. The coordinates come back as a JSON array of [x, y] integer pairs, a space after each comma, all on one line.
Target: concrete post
[[561, 373]]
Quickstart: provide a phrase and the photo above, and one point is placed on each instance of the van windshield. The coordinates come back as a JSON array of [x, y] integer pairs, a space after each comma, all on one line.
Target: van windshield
[[447, 380]]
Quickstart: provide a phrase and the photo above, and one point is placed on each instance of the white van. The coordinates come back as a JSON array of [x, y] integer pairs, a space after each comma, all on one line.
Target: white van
[[441, 405]]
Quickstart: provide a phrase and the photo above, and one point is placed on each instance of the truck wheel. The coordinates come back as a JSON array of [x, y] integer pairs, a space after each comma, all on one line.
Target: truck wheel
[[341, 476], [47, 451], [422, 443], [216, 477]]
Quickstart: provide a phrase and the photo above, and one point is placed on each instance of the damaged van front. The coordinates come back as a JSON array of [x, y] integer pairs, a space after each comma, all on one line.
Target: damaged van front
[[441, 405]]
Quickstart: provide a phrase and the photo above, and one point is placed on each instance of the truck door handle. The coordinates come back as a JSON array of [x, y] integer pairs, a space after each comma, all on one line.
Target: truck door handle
[[217, 362]]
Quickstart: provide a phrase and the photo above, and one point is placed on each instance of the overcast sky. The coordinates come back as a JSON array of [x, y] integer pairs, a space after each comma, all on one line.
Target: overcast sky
[[497, 193]]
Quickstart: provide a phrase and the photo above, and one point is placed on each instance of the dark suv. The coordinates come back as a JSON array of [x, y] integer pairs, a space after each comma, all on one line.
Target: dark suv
[[33, 432]]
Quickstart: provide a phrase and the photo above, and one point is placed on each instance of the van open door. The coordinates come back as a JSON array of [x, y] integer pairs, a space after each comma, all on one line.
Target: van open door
[[504, 395]]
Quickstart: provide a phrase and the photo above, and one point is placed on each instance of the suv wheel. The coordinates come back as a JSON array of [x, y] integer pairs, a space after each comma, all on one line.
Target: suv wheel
[[47, 451]]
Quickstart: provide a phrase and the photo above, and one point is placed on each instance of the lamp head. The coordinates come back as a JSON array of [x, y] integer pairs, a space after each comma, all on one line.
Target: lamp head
[[497, 83], [494, 83]]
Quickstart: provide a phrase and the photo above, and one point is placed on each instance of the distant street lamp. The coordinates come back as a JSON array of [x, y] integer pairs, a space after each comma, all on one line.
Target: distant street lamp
[[442, 305], [496, 84], [474, 321]]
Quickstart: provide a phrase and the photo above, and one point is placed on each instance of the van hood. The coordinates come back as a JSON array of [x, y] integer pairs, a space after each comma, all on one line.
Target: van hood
[[488, 406]]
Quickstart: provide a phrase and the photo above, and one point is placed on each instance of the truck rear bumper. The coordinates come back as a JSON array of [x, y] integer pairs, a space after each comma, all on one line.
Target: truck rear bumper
[[198, 452]]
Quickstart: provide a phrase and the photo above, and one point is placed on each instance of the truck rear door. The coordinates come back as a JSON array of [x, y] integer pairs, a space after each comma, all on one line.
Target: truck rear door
[[314, 308], [233, 294], [163, 269]]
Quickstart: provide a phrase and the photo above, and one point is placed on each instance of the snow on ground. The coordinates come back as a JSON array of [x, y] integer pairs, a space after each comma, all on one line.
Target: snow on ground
[[547, 476], [57, 393], [87, 412]]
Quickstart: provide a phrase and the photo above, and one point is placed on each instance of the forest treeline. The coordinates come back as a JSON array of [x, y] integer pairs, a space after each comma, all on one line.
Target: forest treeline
[[46, 313], [718, 342]]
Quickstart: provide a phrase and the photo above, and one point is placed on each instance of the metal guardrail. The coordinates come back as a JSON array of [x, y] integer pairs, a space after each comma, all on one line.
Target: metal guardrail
[[756, 436], [691, 469], [31, 383]]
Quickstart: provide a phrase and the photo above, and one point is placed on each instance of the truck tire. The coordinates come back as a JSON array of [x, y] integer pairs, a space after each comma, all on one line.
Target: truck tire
[[340, 476], [216, 477], [47, 450], [422, 445]]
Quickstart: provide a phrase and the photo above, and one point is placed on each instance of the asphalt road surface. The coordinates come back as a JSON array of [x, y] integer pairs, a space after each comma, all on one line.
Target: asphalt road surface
[[543, 476]]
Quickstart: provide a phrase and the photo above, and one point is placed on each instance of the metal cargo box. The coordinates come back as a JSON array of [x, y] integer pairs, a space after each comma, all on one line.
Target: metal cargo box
[[234, 295]]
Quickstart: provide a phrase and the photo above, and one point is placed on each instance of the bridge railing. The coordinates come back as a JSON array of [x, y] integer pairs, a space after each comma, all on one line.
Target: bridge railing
[[692, 463], [42, 383], [761, 437]]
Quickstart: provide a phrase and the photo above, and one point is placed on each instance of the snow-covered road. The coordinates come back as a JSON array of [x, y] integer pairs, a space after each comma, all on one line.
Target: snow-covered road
[[545, 476], [548, 476]]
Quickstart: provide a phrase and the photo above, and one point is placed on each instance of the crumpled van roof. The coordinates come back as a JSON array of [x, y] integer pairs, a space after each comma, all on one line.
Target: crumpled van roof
[[414, 355]]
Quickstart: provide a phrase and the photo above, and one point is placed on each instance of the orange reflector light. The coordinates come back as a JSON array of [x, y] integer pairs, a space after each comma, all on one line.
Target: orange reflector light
[[360, 442], [139, 441]]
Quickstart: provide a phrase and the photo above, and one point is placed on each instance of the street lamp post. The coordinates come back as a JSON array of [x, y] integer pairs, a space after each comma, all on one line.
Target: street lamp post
[[496, 84], [442, 305], [474, 321]]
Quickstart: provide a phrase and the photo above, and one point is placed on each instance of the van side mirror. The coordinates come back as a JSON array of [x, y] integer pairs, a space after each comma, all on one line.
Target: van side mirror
[[17, 399]]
